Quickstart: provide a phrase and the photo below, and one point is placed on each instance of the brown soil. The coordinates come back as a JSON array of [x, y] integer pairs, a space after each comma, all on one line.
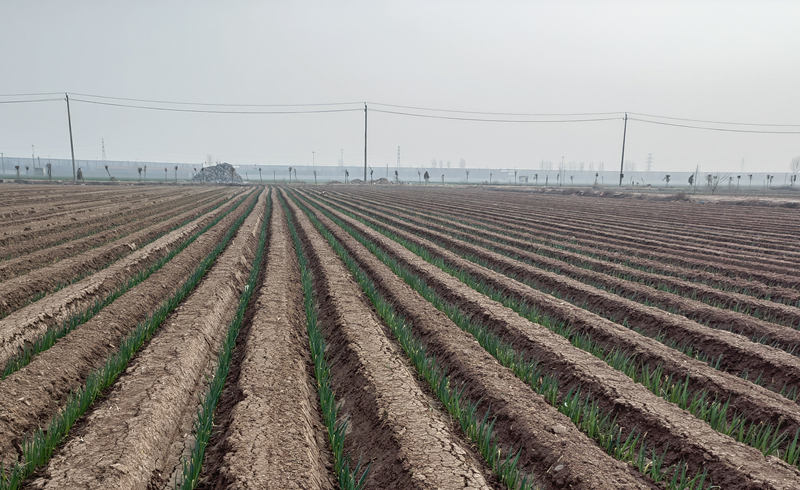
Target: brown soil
[[789, 339], [159, 390], [101, 220], [30, 322], [560, 456], [394, 426], [271, 373], [36, 392], [51, 255], [589, 267], [730, 464], [778, 368], [19, 291], [664, 269], [742, 269]]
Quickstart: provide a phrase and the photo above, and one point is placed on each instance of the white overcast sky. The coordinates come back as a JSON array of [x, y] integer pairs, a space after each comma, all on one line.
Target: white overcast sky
[[722, 60]]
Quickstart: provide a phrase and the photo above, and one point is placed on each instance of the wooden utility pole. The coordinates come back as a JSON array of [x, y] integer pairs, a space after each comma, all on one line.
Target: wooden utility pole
[[365, 141], [71, 144], [622, 159]]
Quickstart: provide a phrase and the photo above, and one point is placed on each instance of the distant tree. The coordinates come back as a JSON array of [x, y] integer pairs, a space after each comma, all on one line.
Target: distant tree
[[290, 174], [396, 177], [79, 174], [490, 177], [571, 179], [27, 169], [371, 171], [109, 173], [443, 178], [165, 173], [259, 176], [346, 176], [419, 174], [176, 173], [738, 181], [691, 180], [596, 176], [426, 176], [16, 167], [750, 176], [145, 172], [49, 171], [467, 172], [139, 169], [515, 176], [315, 177], [667, 179], [546, 180], [536, 178]]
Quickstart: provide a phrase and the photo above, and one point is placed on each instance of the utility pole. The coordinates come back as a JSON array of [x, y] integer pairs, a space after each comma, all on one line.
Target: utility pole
[[71, 144], [365, 141], [622, 159]]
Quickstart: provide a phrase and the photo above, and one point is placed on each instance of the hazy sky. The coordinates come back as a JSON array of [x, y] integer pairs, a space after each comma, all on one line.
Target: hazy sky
[[725, 60]]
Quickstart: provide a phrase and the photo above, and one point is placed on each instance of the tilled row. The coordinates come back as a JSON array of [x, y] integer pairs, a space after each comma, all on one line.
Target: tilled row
[[541, 257], [19, 291], [156, 397], [635, 406], [650, 219], [551, 448], [664, 271], [38, 391], [50, 255], [393, 423], [102, 219], [781, 276], [74, 302], [634, 283], [75, 201], [734, 353], [271, 374]]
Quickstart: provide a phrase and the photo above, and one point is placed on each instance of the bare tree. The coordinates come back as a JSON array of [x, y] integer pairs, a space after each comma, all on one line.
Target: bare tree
[[290, 174], [139, 169], [667, 179], [109, 173]]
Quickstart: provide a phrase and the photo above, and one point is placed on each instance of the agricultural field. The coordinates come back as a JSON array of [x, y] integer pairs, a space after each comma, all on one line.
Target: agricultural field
[[395, 337]]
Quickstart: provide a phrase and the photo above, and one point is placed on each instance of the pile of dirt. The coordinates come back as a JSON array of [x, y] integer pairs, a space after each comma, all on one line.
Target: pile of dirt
[[222, 173]]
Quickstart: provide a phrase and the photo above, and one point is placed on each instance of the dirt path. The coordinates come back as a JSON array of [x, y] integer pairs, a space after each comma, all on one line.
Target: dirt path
[[31, 321], [554, 451], [394, 425], [287, 448], [32, 395], [126, 441]]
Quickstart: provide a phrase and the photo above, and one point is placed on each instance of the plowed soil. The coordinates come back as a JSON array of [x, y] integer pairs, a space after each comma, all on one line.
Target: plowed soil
[[659, 280]]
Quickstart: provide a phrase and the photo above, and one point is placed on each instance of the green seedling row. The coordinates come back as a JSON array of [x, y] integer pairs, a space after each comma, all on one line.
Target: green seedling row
[[53, 334], [204, 423], [480, 429], [39, 447], [584, 412]]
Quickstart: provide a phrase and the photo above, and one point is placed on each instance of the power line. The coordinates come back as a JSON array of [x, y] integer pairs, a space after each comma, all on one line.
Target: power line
[[497, 113], [27, 100], [727, 130], [174, 102], [31, 94], [210, 111], [713, 122], [456, 118]]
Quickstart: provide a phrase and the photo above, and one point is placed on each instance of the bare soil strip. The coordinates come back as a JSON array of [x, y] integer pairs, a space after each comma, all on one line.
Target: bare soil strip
[[730, 464], [100, 221], [747, 325], [158, 392], [36, 392], [395, 426], [758, 402], [51, 255], [779, 369], [30, 322], [713, 279], [270, 433], [19, 291], [553, 450]]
